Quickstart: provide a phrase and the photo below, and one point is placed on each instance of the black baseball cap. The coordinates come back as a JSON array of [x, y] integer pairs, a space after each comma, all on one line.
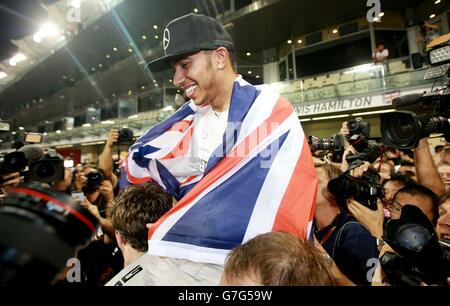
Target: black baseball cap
[[188, 34]]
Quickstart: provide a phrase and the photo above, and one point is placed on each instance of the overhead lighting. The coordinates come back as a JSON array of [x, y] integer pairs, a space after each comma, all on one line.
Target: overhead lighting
[[376, 19], [156, 37], [58, 132], [381, 14], [3, 74], [93, 69], [142, 87], [92, 143], [130, 92], [299, 41], [100, 65], [335, 31], [64, 146], [113, 95], [437, 1], [133, 117], [432, 16], [155, 27], [170, 81], [154, 81], [87, 125], [108, 122], [289, 41], [248, 54], [21, 128], [47, 30], [75, 3], [305, 120], [257, 76], [108, 56], [249, 72], [144, 37], [195, 10], [374, 112], [115, 49], [130, 50], [330, 117], [19, 57]]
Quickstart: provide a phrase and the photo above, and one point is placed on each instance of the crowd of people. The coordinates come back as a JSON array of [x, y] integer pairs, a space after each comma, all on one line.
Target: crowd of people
[[261, 209]]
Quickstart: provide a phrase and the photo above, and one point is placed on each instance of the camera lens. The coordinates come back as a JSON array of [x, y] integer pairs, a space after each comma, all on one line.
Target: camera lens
[[45, 170], [402, 128], [40, 229]]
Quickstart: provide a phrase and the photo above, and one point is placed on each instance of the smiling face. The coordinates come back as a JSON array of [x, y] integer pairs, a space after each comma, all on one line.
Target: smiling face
[[443, 224], [196, 76]]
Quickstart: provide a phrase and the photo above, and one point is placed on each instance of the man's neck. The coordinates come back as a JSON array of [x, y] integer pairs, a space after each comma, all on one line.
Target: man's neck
[[130, 254], [325, 215], [221, 102]]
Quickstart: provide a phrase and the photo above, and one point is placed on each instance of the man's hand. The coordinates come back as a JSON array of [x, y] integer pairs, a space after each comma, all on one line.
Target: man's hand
[[92, 208], [372, 220], [9, 181], [113, 137], [106, 189], [359, 171], [79, 182]]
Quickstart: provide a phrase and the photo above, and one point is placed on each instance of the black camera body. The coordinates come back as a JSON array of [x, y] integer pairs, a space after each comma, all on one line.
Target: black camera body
[[49, 169], [125, 136], [94, 180], [420, 115], [366, 190], [12, 162], [420, 256]]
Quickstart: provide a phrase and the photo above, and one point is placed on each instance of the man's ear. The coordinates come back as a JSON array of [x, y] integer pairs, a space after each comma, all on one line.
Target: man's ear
[[220, 58], [121, 241]]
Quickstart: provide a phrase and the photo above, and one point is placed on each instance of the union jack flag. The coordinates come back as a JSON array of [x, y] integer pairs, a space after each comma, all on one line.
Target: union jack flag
[[261, 179]]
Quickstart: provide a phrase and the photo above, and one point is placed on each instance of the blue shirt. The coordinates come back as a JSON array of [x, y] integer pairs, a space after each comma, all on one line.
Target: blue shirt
[[353, 250]]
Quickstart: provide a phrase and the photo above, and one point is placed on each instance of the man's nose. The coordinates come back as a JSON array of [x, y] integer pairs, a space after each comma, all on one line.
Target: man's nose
[[178, 78]]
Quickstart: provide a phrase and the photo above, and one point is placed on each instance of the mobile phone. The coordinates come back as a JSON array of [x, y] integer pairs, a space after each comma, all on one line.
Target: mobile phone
[[78, 196]]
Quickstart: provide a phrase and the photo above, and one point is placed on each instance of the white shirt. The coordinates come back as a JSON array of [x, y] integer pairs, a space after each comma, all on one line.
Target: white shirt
[[131, 275], [209, 128], [381, 56]]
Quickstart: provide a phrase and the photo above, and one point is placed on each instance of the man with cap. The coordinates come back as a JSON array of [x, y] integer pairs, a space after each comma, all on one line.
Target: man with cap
[[234, 157]]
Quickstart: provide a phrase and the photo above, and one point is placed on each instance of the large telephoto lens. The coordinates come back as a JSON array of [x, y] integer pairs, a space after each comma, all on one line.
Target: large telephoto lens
[[400, 129], [40, 230]]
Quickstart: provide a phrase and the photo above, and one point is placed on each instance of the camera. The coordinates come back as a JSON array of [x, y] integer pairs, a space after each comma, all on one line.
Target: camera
[[12, 162], [366, 190], [420, 256], [125, 135], [335, 143], [94, 180], [419, 115], [356, 127], [40, 229], [49, 169]]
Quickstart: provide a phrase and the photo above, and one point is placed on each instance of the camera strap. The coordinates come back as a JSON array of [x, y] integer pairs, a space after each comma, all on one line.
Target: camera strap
[[338, 237]]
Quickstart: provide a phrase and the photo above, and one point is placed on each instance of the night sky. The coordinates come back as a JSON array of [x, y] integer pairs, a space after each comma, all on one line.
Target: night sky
[[18, 18]]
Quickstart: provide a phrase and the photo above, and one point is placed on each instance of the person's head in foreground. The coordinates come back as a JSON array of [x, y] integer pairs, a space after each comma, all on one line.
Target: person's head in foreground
[[276, 259]]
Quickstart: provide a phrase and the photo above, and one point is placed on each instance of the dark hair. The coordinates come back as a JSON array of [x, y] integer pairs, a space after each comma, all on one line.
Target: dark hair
[[407, 163], [380, 43], [409, 153], [438, 148], [137, 206], [401, 178], [278, 259], [420, 190]]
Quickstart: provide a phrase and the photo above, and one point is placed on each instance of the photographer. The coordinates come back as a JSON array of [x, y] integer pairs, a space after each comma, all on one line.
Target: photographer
[[348, 243]]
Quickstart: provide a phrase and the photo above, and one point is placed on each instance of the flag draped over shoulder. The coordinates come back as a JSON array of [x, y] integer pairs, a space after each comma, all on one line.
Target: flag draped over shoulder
[[261, 179]]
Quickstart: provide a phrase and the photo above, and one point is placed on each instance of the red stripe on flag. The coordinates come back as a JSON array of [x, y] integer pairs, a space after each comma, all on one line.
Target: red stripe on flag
[[182, 147], [297, 206], [280, 113]]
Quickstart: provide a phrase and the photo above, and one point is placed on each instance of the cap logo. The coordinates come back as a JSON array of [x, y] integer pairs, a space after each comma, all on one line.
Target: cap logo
[[166, 38]]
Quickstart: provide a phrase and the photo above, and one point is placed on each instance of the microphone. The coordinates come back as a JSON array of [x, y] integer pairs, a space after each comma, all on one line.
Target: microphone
[[33, 153], [407, 100]]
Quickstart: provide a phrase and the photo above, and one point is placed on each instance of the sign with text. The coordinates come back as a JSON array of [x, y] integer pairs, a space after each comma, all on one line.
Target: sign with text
[[340, 105]]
